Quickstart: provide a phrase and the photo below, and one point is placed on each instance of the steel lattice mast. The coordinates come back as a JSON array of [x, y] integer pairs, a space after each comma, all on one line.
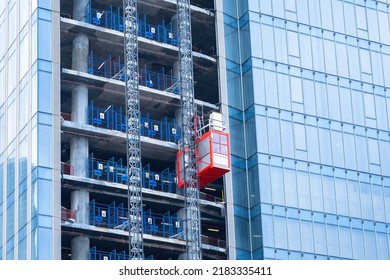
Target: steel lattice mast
[[134, 187], [192, 222]]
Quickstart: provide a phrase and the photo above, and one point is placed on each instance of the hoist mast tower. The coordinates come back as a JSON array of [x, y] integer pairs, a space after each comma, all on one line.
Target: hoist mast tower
[[189, 132], [133, 115]]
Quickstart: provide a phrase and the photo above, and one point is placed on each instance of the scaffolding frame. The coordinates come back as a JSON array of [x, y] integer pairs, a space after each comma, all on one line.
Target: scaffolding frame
[[133, 116], [189, 132]]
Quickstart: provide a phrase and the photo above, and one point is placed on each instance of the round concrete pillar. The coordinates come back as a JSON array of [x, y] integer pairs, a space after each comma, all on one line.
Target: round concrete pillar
[[80, 9], [79, 202], [80, 53], [80, 248], [79, 156], [79, 104]]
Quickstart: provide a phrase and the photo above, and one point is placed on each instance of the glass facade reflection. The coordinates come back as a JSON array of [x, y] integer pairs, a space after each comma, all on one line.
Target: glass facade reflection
[[28, 113], [309, 106]]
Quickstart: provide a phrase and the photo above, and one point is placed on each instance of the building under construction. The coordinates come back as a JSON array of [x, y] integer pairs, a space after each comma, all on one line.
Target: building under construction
[[98, 186]]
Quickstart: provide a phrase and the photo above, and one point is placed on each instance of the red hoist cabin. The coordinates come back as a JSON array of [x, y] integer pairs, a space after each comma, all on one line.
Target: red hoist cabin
[[212, 153]]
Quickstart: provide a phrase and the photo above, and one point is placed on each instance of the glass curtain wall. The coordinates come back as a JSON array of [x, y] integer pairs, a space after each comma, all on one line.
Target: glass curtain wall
[[308, 86], [26, 130]]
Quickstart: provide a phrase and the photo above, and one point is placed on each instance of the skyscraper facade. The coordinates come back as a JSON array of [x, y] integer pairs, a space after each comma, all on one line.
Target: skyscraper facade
[[308, 106], [29, 130], [63, 153]]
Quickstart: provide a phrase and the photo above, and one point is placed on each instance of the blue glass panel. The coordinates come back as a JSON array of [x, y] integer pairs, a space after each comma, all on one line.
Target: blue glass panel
[[11, 174], [44, 39], [243, 254], [242, 8], [44, 145], [234, 92], [307, 236], [384, 31], [267, 230], [242, 233], [284, 91], [303, 190], [330, 57], [44, 89], [316, 192], [280, 45], [337, 148], [350, 154], [1, 227], [231, 36], [245, 41], [230, 8], [248, 86], [357, 244], [383, 246], [280, 230], [44, 245], [294, 240], [287, 135], [325, 146], [269, 254], [341, 196], [366, 201], [349, 15], [290, 188], [321, 99], [255, 39], [1, 180], [22, 244], [277, 184], [377, 202], [22, 204], [377, 69], [319, 238], [10, 249], [253, 184], [256, 233], [44, 197], [274, 136], [10, 219], [268, 36], [271, 90], [302, 11], [332, 240]]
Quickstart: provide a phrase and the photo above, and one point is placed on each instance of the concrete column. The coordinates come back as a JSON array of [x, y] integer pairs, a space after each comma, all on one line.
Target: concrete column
[[79, 201], [79, 204], [80, 9], [79, 145], [79, 148], [179, 118], [79, 156], [80, 248], [174, 24], [79, 104], [176, 70], [181, 213], [80, 53]]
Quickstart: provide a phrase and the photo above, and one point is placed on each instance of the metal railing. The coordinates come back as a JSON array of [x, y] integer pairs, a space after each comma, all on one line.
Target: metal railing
[[115, 216], [112, 18], [67, 215]]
